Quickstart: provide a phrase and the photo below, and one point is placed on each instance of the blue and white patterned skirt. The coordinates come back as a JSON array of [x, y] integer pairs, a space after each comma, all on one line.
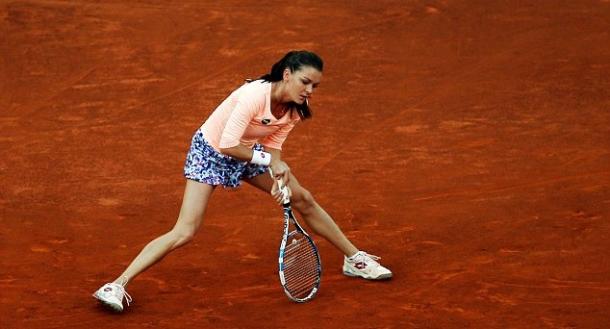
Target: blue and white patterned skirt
[[206, 165]]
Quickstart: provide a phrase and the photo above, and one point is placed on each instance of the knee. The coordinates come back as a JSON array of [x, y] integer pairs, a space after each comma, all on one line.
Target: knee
[[302, 200], [182, 236]]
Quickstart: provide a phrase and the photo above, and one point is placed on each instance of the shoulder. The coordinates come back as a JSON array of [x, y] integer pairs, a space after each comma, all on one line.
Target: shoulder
[[255, 90]]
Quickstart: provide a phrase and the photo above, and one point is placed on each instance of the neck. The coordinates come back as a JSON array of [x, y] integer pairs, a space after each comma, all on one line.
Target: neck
[[278, 105], [277, 92]]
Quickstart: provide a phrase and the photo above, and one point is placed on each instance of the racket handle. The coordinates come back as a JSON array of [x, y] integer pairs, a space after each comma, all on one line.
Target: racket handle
[[283, 189]]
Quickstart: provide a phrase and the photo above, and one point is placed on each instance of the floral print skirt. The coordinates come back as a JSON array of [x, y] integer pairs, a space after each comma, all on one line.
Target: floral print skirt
[[206, 165]]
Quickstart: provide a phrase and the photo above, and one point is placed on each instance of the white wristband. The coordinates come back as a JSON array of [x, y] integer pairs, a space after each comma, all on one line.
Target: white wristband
[[261, 158]]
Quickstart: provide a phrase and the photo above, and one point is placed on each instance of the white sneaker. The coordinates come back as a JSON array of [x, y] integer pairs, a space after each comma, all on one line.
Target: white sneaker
[[366, 266], [111, 295]]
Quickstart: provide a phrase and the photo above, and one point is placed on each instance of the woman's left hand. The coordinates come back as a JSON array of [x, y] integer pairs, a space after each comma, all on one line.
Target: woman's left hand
[[278, 193]]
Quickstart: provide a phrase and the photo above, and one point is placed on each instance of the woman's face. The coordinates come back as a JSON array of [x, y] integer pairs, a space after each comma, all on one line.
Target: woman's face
[[300, 84]]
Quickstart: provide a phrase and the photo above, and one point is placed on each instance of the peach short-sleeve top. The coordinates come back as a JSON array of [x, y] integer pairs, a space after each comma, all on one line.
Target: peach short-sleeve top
[[245, 118]]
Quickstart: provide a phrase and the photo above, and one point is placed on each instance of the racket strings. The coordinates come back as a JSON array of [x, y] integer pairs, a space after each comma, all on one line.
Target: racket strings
[[301, 267]]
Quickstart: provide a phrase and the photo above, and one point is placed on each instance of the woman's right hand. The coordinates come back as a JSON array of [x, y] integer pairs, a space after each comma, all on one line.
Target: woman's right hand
[[281, 170]]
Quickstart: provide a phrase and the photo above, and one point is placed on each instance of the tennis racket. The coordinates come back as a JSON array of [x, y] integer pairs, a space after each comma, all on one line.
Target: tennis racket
[[300, 268]]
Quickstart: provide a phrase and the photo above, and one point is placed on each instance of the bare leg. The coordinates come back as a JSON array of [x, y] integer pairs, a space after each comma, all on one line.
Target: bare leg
[[194, 202], [313, 214]]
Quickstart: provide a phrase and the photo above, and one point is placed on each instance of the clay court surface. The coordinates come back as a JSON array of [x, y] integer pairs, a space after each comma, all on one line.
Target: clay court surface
[[465, 142]]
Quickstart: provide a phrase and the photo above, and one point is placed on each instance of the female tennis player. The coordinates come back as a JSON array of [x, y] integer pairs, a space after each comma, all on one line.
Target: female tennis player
[[240, 141]]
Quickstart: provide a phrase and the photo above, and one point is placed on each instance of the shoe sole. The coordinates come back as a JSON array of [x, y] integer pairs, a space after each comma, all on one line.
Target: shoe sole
[[381, 277], [110, 306]]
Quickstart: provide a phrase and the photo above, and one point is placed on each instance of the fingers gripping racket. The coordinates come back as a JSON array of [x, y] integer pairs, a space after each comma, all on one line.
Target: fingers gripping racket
[[300, 268]]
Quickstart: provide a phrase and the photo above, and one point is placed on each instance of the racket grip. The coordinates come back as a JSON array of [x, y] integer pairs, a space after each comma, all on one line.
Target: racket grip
[[285, 192]]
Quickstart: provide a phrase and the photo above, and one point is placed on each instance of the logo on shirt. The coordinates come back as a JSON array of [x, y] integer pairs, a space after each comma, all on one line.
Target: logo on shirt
[[265, 121]]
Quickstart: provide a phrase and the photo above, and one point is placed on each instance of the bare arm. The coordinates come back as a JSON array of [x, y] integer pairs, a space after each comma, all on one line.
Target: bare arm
[[239, 152], [244, 153]]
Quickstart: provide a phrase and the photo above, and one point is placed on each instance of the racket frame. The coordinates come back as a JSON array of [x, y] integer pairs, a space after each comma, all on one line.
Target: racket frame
[[288, 218]]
